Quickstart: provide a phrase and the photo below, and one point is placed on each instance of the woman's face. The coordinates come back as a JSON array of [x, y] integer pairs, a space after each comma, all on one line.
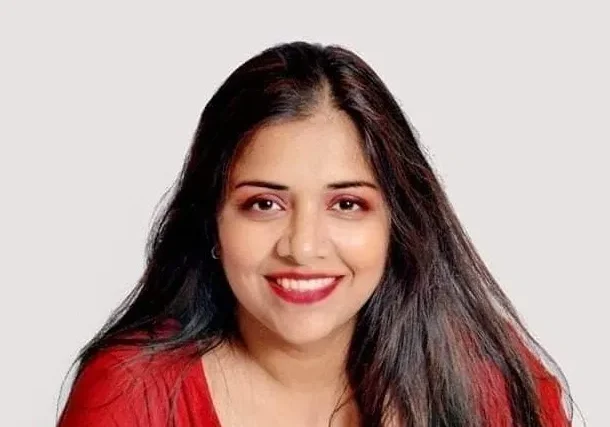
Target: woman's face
[[293, 219]]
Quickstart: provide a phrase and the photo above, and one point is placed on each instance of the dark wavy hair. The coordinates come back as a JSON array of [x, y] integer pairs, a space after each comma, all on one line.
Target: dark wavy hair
[[437, 313]]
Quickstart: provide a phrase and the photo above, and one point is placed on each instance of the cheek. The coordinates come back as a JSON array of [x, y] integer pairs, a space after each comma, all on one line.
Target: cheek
[[244, 250], [364, 251], [242, 242], [363, 247]]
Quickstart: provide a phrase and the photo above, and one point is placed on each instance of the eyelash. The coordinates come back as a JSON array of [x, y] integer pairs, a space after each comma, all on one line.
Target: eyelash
[[249, 204]]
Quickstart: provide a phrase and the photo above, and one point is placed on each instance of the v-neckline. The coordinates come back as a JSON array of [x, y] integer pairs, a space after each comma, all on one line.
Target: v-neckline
[[205, 386]]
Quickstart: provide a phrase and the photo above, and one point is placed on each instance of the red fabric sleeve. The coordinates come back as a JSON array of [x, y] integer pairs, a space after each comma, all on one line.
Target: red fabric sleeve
[[115, 389], [495, 404], [108, 393], [551, 394]]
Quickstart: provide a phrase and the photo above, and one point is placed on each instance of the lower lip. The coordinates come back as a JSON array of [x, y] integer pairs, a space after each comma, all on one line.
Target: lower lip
[[304, 297]]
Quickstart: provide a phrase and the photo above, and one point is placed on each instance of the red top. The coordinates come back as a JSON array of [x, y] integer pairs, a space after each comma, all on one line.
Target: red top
[[105, 395]]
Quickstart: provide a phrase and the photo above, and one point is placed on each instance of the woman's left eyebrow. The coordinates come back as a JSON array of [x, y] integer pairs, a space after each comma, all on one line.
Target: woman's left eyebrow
[[333, 186]]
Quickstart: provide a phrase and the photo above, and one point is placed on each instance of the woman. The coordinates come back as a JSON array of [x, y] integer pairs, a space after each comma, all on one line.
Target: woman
[[309, 271]]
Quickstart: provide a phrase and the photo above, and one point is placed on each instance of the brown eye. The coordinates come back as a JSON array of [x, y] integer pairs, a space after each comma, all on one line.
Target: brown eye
[[264, 205], [350, 205]]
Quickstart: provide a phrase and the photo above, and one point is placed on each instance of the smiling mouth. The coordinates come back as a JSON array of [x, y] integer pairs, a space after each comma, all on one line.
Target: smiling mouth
[[304, 291]]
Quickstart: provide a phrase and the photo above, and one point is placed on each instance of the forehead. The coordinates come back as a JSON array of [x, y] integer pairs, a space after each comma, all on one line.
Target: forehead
[[323, 147]]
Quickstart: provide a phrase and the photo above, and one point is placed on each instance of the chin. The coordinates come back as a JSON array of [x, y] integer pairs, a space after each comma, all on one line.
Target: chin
[[303, 338], [297, 329], [312, 334]]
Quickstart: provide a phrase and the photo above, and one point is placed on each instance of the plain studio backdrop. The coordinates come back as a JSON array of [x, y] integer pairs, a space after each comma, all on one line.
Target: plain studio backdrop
[[99, 102]]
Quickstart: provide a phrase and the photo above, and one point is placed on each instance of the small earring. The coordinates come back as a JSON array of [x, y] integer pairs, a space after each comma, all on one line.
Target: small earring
[[215, 254]]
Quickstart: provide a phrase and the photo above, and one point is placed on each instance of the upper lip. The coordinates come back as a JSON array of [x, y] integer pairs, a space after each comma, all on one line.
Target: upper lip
[[297, 275]]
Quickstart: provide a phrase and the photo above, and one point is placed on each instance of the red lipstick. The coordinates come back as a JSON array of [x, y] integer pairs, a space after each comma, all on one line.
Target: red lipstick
[[305, 296]]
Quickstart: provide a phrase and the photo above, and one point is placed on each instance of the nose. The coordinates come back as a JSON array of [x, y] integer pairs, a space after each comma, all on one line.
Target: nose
[[305, 238]]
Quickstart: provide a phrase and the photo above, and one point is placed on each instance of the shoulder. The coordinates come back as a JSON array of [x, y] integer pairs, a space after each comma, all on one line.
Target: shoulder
[[550, 392], [107, 387], [124, 386], [495, 402]]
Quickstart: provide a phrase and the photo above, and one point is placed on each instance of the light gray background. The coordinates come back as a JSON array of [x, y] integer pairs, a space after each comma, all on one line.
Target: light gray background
[[98, 104]]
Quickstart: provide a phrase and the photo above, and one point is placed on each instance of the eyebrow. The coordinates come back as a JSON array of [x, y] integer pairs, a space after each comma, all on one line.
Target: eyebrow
[[332, 186]]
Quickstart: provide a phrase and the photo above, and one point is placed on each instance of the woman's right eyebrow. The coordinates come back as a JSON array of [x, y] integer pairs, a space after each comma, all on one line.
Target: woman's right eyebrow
[[333, 186], [264, 184]]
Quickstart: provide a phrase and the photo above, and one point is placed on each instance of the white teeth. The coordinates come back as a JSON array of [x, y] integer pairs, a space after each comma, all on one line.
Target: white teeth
[[305, 285]]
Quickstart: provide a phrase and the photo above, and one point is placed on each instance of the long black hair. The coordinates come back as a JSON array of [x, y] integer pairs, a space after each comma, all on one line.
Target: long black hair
[[437, 314]]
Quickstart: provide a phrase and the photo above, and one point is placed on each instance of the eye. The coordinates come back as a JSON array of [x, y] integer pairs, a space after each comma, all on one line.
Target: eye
[[348, 205], [264, 205]]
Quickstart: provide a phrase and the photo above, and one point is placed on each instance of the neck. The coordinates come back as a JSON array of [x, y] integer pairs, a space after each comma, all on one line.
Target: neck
[[312, 368]]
